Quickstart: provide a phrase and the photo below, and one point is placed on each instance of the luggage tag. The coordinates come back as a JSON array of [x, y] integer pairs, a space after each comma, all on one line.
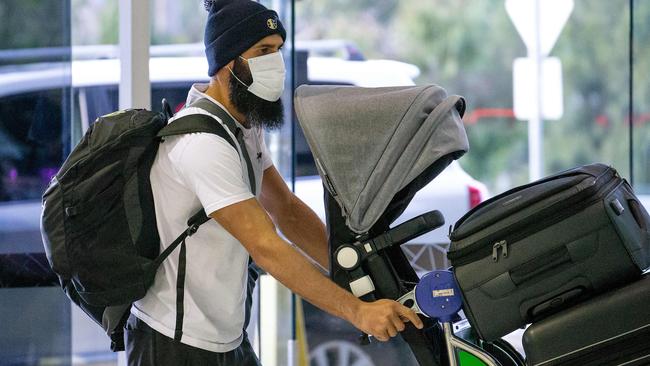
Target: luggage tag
[[436, 296]]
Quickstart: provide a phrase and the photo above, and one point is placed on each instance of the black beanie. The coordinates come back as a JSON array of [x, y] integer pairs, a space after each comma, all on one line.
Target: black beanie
[[233, 27]]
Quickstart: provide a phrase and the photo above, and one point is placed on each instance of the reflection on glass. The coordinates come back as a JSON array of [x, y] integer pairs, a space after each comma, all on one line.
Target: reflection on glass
[[32, 147], [34, 131], [641, 106]]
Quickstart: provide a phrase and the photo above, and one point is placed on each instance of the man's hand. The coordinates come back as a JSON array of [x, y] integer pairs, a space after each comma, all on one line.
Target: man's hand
[[383, 319]]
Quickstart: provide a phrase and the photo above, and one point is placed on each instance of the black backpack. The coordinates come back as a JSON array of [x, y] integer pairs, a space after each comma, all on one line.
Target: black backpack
[[98, 221]]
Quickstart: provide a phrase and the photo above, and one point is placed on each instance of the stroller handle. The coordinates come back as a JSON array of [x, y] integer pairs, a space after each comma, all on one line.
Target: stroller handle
[[414, 227]]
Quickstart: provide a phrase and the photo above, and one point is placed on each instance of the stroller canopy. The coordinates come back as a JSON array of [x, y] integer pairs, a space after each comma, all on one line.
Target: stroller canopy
[[369, 143]]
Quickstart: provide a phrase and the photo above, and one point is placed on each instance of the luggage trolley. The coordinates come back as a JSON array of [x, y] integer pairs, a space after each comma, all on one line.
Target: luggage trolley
[[374, 148], [437, 296]]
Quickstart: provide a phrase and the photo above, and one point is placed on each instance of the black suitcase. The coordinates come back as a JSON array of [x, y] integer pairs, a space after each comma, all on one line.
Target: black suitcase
[[611, 329], [542, 247]]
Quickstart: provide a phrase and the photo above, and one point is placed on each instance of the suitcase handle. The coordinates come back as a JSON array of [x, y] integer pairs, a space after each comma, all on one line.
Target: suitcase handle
[[541, 266], [637, 213], [556, 303]]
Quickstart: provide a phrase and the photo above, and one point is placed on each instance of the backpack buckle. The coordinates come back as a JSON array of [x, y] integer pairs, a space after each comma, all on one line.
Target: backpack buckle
[[192, 229]]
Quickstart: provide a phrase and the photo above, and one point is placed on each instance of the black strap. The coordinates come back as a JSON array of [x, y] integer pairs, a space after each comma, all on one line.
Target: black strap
[[251, 174], [180, 294], [196, 123], [203, 123], [193, 224], [214, 109], [191, 124], [178, 241]]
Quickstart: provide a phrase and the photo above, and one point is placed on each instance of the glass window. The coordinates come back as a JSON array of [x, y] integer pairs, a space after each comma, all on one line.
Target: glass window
[[470, 51], [34, 140], [33, 145], [641, 105], [45, 105]]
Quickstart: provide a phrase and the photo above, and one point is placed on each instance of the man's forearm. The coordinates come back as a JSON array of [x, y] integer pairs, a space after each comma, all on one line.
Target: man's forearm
[[306, 230], [295, 272]]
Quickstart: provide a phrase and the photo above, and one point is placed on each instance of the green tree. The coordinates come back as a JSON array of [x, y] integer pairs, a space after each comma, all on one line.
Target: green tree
[[45, 20], [468, 47]]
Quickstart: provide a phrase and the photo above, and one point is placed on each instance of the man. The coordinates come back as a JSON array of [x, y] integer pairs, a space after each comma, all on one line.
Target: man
[[191, 171]]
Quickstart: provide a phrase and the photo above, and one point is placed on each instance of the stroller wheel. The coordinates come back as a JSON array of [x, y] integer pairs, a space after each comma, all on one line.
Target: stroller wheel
[[504, 352]]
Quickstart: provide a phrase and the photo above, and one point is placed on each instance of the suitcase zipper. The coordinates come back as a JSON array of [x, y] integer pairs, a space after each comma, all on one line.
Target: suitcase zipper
[[495, 250], [459, 259], [565, 174]]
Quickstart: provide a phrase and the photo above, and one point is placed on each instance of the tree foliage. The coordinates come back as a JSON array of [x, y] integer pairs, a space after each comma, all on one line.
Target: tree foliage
[[33, 24], [468, 47]]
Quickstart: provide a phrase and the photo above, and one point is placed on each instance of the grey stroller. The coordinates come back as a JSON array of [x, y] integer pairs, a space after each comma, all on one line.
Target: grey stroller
[[374, 150]]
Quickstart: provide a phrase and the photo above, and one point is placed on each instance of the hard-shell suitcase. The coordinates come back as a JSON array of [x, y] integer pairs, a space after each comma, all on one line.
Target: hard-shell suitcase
[[611, 329], [545, 246]]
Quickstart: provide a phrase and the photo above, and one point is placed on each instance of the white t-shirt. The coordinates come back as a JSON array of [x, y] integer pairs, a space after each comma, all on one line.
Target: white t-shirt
[[193, 171]]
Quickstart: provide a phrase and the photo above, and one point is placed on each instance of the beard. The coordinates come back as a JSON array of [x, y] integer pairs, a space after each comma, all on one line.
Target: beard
[[258, 112]]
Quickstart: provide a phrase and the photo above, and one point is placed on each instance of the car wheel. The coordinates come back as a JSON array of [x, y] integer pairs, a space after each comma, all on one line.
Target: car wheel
[[339, 353]]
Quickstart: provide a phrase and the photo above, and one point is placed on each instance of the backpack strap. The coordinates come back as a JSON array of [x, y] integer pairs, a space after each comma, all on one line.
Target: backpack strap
[[151, 268], [214, 109], [193, 123], [202, 123]]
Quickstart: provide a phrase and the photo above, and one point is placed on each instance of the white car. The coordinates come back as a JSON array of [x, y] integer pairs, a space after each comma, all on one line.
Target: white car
[[645, 200], [453, 193]]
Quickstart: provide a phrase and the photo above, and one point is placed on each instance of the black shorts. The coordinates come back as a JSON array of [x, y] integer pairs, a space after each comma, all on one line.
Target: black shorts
[[147, 347]]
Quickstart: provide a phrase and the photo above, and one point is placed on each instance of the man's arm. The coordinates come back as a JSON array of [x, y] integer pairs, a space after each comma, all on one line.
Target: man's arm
[[295, 219], [249, 223]]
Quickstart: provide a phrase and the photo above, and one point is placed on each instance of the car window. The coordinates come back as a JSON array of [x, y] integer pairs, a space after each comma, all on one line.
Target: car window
[[99, 100], [102, 100], [31, 143], [33, 138], [175, 93]]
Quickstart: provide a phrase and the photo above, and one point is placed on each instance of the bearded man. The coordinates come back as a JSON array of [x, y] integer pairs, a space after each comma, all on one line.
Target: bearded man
[[197, 313]]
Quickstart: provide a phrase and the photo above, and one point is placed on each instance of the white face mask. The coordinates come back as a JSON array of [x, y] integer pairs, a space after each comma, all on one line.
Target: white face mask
[[268, 76]]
